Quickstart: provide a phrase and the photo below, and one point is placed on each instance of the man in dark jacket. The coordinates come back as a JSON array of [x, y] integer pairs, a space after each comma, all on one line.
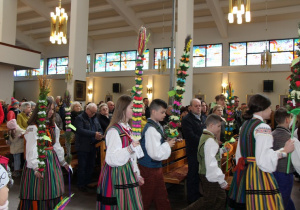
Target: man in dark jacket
[[88, 132], [192, 128]]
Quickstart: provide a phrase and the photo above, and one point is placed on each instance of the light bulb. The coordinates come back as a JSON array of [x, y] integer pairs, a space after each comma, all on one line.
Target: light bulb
[[242, 9], [230, 17], [235, 10], [248, 16], [239, 20], [57, 11]]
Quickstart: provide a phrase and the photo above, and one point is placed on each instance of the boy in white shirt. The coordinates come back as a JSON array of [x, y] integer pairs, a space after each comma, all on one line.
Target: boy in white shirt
[[209, 156], [155, 149]]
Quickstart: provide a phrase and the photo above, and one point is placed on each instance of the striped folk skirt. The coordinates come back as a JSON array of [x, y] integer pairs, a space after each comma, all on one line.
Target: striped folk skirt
[[254, 189], [118, 189], [43, 193]]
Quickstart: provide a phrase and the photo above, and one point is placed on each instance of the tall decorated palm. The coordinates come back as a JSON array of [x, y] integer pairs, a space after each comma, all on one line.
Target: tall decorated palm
[[178, 91], [293, 104]]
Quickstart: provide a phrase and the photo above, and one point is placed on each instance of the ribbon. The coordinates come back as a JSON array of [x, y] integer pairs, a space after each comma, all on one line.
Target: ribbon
[[64, 202]]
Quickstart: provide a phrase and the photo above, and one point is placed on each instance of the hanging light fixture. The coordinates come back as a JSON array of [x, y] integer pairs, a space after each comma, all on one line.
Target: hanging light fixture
[[266, 59], [59, 22], [266, 56], [239, 8]]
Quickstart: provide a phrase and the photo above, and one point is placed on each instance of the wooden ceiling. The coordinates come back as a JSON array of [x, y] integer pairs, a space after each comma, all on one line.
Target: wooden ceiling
[[120, 18]]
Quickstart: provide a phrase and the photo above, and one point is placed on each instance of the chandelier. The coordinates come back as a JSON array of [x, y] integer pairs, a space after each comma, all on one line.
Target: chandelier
[[59, 25], [239, 8]]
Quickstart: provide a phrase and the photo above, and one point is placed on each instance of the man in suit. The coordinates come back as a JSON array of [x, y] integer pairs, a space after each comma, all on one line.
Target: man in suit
[[88, 132], [192, 128]]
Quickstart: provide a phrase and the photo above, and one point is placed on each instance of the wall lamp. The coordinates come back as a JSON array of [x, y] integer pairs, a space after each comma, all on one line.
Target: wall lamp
[[90, 91]]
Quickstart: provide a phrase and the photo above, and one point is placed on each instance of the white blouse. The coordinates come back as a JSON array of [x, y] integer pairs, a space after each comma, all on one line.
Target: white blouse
[[266, 158], [155, 149], [115, 154], [213, 172], [31, 147]]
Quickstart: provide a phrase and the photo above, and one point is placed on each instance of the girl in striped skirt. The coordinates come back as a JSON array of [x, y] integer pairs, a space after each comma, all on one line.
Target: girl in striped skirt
[[40, 192], [254, 186], [118, 186]]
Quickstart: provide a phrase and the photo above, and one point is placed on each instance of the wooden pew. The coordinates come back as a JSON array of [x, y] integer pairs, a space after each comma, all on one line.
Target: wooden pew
[[4, 148], [175, 168]]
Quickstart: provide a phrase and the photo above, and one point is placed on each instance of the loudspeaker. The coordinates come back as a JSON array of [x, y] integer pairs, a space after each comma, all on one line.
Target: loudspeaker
[[268, 85], [116, 87]]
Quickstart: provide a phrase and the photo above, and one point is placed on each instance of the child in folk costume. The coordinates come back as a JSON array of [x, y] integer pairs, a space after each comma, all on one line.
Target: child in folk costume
[[155, 149], [42, 191], [209, 157], [3, 188], [16, 143], [118, 186], [253, 185], [281, 135], [6, 182]]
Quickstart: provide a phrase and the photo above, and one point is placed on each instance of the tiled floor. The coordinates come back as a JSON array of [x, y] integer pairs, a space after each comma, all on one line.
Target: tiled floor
[[85, 201]]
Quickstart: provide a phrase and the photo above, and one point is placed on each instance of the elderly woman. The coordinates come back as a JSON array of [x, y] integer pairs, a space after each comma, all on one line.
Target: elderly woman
[[218, 110], [76, 109], [32, 105], [24, 115], [103, 116]]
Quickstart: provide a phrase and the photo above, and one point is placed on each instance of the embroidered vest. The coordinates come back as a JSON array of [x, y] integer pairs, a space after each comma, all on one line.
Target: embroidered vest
[[147, 161], [126, 140], [201, 155]]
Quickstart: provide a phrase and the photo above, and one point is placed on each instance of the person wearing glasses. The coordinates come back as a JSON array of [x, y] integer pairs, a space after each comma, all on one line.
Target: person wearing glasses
[[88, 133]]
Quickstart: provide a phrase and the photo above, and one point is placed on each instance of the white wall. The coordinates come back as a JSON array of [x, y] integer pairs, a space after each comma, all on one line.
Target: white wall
[[30, 89]]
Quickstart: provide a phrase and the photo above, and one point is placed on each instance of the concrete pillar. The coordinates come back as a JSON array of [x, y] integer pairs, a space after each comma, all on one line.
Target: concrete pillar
[[8, 21], [8, 25], [78, 42], [185, 26]]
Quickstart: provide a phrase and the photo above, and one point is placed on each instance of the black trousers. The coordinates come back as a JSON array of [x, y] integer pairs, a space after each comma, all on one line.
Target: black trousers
[[86, 164], [193, 180]]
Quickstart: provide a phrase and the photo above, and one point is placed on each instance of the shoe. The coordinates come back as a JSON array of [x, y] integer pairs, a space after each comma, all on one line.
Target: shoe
[[83, 189]]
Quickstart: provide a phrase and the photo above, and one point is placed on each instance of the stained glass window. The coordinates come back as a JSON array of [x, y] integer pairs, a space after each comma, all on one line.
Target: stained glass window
[[257, 47], [51, 65], [207, 55], [119, 61], [296, 47], [282, 57], [113, 66], [237, 54], [58, 65], [281, 45], [128, 60], [146, 61], [214, 55], [283, 51], [100, 62], [160, 54], [254, 59], [88, 63]]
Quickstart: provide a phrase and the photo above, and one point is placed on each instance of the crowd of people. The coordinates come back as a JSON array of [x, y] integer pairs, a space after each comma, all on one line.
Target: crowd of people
[[129, 182]]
